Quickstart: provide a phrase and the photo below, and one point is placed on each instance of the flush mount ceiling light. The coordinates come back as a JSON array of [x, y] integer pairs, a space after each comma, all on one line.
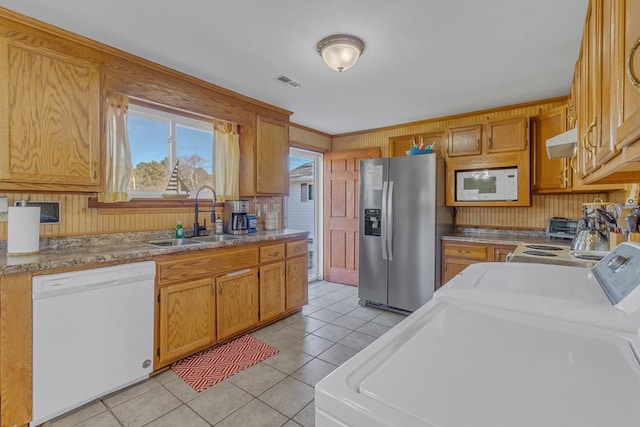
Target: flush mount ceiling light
[[340, 51]]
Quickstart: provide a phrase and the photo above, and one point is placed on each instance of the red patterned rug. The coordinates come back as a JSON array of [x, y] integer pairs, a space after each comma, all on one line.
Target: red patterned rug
[[209, 367]]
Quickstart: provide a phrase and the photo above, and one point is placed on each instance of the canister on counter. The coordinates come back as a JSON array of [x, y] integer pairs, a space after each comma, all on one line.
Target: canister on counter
[[252, 221]]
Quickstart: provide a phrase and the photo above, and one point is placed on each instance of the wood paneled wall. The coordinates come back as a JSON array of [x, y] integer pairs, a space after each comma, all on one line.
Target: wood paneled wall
[[530, 217], [77, 219]]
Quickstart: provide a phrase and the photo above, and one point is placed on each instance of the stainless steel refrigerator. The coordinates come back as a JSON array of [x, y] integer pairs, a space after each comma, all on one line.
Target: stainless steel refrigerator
[[402, 216]]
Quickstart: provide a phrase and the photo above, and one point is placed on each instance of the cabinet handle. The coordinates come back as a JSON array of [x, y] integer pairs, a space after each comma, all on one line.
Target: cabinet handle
[[585, 139], [564, 178], [446, 264], [95, 170], [490, 142], [478, 144], [273, 254], [572, 162], [463, 251], [630, 72], [237, 273]]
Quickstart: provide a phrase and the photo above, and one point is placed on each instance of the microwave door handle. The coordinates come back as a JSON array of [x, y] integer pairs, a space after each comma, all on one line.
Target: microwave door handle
[[390, 219], [383, 220]]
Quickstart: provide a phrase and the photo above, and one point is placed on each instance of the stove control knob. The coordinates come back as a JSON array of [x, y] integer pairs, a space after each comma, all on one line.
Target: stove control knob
[[617, 262]]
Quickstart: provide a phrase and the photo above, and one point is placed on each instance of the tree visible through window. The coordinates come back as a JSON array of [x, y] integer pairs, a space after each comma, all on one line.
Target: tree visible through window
[[158, 140]]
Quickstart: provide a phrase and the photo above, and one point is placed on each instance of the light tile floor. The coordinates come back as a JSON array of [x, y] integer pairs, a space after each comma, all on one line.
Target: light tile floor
[[276, 392]]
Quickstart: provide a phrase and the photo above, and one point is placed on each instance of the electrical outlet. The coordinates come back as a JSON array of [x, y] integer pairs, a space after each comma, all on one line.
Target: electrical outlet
[[4, 216]]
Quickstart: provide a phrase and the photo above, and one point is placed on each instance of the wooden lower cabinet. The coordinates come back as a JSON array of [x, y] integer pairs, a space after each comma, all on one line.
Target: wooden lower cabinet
[[456, 256], [236, 302], [297, 278], [272, 290], [187, 319]]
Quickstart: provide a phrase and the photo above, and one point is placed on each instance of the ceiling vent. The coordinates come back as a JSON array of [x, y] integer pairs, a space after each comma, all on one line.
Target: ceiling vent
[[289, 82]]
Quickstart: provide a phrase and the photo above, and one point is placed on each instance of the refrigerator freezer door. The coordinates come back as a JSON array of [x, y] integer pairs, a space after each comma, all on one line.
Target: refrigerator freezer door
[[412, 272], [372, 268]]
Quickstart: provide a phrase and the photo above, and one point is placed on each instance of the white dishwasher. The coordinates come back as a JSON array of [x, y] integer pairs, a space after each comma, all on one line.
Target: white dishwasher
[[92, 334]]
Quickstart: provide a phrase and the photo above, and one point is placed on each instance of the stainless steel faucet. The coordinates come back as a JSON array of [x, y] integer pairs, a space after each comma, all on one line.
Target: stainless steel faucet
[[196, 226]]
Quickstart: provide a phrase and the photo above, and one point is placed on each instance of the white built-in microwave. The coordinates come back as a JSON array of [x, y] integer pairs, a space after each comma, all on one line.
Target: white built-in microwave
[[487, 185]]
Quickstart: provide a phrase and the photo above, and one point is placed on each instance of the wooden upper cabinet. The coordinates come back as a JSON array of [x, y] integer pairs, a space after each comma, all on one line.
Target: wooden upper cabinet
[[465, 140], [49, 120], [507, 135], [627, 71], [272, 157], [549, 174], [399, 145]]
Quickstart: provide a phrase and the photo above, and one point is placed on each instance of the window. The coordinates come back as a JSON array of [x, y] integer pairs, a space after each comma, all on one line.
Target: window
[[158, 140], [304, 192], [310, 192]]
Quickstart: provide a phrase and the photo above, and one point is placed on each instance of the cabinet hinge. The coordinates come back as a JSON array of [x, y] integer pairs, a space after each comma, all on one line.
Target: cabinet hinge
[[158, 298]]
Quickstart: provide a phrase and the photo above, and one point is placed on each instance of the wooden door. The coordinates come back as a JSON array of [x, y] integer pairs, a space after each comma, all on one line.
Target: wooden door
[[272, 290], [272, 157], [297, 293], [236, 302], [507, 135], [627, 71], [187, 319], [49, 120], [465, 141], [341, 198], [549, 174]]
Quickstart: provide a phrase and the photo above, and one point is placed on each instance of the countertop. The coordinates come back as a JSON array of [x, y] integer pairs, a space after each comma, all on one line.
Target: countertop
[[504, 237], [120, 248]]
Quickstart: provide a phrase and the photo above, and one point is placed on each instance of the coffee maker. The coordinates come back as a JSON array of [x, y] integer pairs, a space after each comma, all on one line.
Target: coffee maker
[[235, 216]]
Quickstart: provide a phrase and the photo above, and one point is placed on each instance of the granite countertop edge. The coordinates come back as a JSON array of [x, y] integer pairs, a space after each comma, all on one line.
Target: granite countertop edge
[[134, 250], [504, 238]]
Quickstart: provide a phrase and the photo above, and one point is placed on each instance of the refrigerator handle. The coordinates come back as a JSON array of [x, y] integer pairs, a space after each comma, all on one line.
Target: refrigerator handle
[[390, 221], [383, 220]]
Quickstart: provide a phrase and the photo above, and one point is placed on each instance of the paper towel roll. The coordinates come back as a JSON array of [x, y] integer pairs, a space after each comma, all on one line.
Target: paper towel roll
[[23, 230]]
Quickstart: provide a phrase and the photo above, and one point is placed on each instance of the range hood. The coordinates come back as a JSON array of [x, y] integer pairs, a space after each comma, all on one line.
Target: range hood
[[563, 145]]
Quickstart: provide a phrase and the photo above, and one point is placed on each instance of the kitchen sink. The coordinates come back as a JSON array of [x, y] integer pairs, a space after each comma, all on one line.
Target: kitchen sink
[[172, 242], [215, 238]]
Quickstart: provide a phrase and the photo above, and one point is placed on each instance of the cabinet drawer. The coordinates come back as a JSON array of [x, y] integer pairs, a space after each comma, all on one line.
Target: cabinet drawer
[[173, 268], [296, 248], [272, 253], [459, 250]]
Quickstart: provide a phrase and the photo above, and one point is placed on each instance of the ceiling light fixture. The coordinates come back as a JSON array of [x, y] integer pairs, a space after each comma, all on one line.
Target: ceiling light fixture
[[340, 51]]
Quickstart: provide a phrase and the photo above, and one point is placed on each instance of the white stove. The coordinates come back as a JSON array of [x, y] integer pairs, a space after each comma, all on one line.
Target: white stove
[[503, 344], [560, 254]]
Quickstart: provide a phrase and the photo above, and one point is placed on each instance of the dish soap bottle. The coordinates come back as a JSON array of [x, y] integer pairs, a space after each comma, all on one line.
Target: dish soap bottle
[[179, 230], [219, 228]]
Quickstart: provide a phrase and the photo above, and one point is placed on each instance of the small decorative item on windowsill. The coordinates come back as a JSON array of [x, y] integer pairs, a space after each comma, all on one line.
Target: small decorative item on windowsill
[[422, 148], [176, 188]]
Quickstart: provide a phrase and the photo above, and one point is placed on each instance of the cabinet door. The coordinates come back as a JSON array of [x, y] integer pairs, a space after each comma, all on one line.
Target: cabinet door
[[49, 120], [465, 140], [549, 174], [297, 276], [508, 135], [500, 253], [187, 319], [451, 267], [588, 118], [236, 302], [627, 70], [272, 152], [272, 290]]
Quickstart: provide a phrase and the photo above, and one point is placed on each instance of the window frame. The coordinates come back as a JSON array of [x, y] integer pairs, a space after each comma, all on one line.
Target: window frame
[[174, 120]]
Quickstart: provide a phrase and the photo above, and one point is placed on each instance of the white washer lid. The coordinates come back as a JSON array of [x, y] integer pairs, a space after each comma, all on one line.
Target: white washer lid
[[458, 365]]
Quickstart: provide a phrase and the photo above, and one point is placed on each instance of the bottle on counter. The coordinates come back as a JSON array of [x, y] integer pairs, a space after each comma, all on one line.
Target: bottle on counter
[[219, 227], [179, 230]]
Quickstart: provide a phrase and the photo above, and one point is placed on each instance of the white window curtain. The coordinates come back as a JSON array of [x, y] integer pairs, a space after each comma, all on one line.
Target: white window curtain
[[226, 155], [118, 154]]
